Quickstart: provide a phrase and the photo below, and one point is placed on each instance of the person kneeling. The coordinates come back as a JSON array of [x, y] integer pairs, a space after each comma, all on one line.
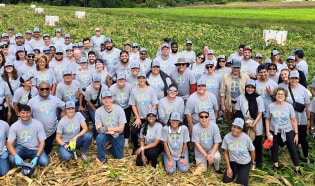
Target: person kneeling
[[69, 137], [27, 139], [150, 146]]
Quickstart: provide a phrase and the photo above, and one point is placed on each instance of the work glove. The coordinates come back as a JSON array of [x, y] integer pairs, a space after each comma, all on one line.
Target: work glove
[[34, 161], [72, 146], [18, 160], [102, 130]]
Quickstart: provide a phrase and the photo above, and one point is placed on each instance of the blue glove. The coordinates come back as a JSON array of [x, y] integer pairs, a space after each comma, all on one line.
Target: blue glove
[[18, 160], [34, 161]]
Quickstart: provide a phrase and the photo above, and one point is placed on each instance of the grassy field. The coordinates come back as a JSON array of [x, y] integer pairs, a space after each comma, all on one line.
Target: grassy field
[[222, 27]]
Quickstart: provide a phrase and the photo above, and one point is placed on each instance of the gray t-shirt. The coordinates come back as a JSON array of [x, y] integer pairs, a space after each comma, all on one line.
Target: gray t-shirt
[[22, 96], [28, 135], [111, 58], [69, 128], [165, 108], [223, 71], [144, 65], [303, 66], [175, 139], [188, 55], [143, 100], [249, 67], [67, 92], [121, 96], [238, 148], [261, 90], [85, 78], [213, 84], [58, 68], [119, 68], [91, 94], [183, 82], [166, 65], [3, 92], [45, 111], [198, 70], [110, 119], [4, 131], [300, 95], [153, 133], [157, 84], [235, 88], [133, 81], [280, 117], [96, 41], [195, 104], [206, 137], [242, 105], [25, 69], [47, 76]]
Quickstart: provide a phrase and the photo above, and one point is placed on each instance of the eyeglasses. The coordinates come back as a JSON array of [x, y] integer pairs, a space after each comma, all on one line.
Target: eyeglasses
[[258, 57], [201, 85], [208, 67], [271, 69], [222, 61], [203, 117], [280, 94], [44, 89], [201, 58], [143, 54], [30, 57], [181, 64], [97, 30]]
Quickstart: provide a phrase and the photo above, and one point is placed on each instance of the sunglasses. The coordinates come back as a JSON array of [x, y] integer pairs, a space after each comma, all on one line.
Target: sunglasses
[[222, 61], [143, 54], [208, 67], [59, 54], [5, 46], [174, 47], [134, 47], [31, 57], [201, 58], [203, 117], [271, 69], [172, 90], [43, 89], [181, 64]]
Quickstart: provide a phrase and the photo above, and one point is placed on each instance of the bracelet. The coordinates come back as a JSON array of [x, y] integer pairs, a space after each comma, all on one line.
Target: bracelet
[[64, 145], [182, 157], [296, 133], [142, 148]]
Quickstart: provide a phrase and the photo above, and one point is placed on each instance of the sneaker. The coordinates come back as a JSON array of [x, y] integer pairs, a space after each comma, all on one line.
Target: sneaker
[[218, 171], [84, 157], [297, 172], [306, 160], [126, 145]]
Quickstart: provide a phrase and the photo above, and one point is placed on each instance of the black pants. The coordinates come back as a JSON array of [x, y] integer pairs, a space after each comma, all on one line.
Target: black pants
[[135, 134], [152, 155], [302, 139], [241, 171], [258, 150], [49, 143], [127, 125], [290, 145]]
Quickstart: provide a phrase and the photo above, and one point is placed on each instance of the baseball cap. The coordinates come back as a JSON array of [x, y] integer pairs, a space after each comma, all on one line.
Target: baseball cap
[[238, 122], [221, 56], [96, 77], [291, 58], [201, 82], [268, 60], [152, 112], [258, 55], [36, 29], [58, 30], [20, 49], [143, 50], [25, 77], [167, 39], [46, 35], [106, 93], [121, 75], [175, 116], [294, 74], [83, 60], [210, 51], [80, 44], [134, 65], [250, 82], [155, 63], [209, 62], [127, 43], [236, 63], [141, 74], [8, 63], [58, 50], [28, 32], [30, 52], [18, 35], [275, 52], [165, 45], [188, 42], [67, 72], [67, 36], [109, 40], [70, 104], [5, 35], [10, 28], [134, 44]]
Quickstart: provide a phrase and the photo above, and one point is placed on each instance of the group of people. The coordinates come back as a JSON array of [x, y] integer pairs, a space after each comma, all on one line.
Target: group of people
[[50, 87]]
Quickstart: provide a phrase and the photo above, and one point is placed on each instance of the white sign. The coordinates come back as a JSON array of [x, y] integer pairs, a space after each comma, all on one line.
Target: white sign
[[279, 36], [80, 14], [33, 6], [51, 20], [39, 10], [2, 5]]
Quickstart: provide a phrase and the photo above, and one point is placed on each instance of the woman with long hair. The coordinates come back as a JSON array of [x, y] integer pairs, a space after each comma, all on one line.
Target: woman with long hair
[[221, 67], [2, 62], [198, 68], [150, 146]]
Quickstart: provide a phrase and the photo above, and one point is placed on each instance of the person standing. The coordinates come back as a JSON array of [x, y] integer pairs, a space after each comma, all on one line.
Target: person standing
[[4, 160], [239, 154]]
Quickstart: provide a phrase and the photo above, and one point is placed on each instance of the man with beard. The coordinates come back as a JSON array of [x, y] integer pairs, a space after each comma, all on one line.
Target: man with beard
[[5, 38], [189, 54], [124, 66], [91, 61], [46, 38], [291, 63], [97, 39], [167, 62], [174, 51], [110, 54], [29, 67], [11, 36], [28, 37], [58, 65], [67, 43], [249, 66], [44, 108], [87, 48], [236, 55], [301, 64], [19, 41], [144, 61], [211, 57], [37, 41]]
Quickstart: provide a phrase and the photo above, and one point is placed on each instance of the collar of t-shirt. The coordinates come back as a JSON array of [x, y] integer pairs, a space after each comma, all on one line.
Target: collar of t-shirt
[[174, 132]]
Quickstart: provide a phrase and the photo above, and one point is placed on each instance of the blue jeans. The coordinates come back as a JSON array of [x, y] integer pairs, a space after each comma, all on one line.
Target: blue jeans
[[26, 153], [4, 166], [176, 162], [117, 149], [83, 141]]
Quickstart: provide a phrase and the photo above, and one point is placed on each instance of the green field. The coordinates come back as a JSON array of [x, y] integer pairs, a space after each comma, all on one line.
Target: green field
[[222, 27]]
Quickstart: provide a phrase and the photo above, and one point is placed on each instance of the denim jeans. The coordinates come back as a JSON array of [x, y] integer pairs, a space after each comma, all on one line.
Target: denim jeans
[[117, 149], [83, 141], [26, 153], [176, 162], [92, 118], [4, 166]]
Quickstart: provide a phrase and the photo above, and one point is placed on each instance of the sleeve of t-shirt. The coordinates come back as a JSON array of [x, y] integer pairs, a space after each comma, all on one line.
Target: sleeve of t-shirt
[[268, 114], [121, 115], [181, 108], [186, 137], [98, 117], [217, 136], [81, 117], [291, 109], [238, 104], [161, 112], [306, 97], [195, 134], [53, 76], [192, 78], [154, 99], [214, 102], [88, 95], [132, 97], [158, 131], [189, 106], [249, 143], [17, 96], [12, 133], [313, 83], [224, 143], [164, 133], [260, 103], [59, 91], [59, 127], [312, 106], [41, 132]]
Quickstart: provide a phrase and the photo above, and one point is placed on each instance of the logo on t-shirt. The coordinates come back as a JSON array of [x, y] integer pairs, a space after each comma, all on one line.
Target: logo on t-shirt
[[143, 100], [175, 140], [237, 149], [206, 138], [26, 136], [109, 121], [280, 116], [73, 127], [45, 108]]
